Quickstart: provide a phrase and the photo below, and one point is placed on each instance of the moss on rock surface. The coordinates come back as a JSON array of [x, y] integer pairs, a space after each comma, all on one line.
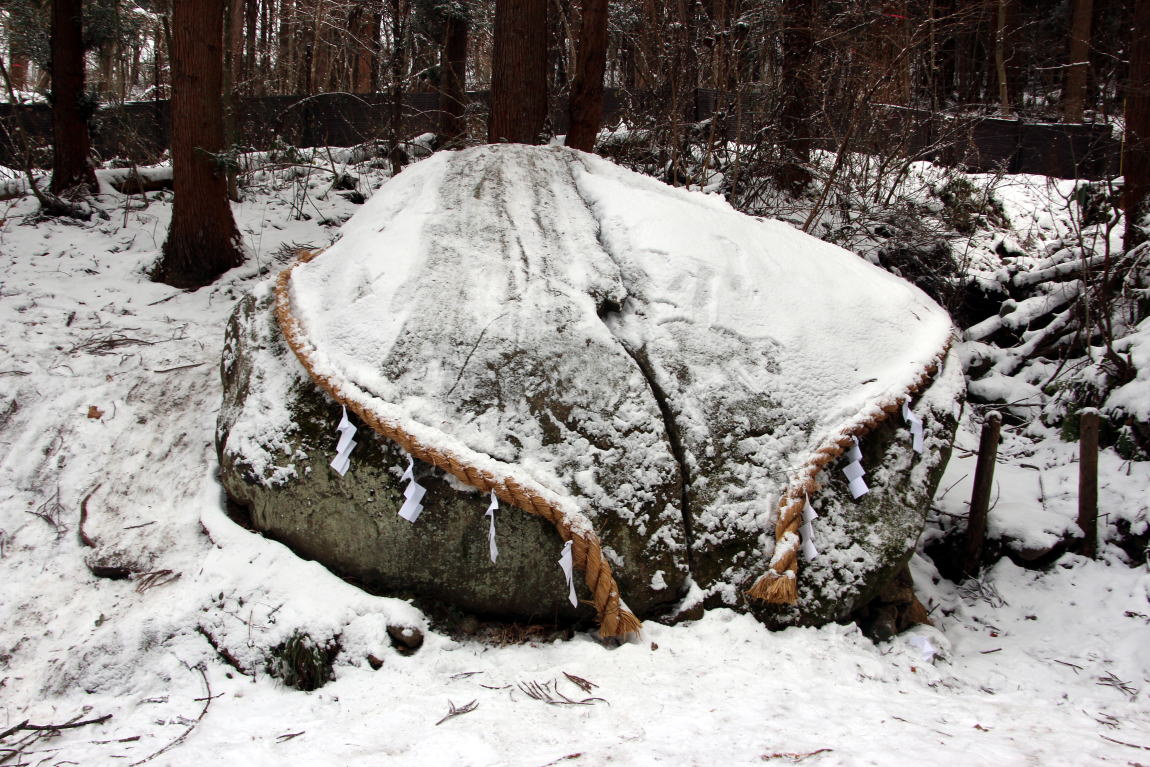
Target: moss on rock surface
[[350, 523]]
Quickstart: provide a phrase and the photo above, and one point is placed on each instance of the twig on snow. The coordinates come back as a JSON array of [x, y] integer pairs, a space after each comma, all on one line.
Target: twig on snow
[[86, 539], [153, 579], [27, 725], [465, 674], [794, 757], [37, 732], [580, 682], [1124, 743], [102, 345], [548, 692], [466, 708], [179, 367], [191, 726], [1110, 680], [50, 511]]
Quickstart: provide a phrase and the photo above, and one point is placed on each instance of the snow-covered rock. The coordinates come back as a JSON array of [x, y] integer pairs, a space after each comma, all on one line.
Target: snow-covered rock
[[655, 361]]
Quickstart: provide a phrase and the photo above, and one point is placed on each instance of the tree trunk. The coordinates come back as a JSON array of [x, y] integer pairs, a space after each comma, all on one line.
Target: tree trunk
[[1000, 57], [519, 72], [233, 62], [453, 68], [585, 106], [1136, 146], [400, 12], [1078, 62], [251, 22], [203, 241], [70, 141], [364, 27], [795, 120], [17, 69]]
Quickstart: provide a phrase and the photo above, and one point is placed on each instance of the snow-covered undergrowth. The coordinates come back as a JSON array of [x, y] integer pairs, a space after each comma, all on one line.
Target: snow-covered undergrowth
[[108, 394]]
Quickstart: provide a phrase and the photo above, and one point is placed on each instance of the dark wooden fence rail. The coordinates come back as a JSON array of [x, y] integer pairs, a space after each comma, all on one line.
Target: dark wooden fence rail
[[138, 131]]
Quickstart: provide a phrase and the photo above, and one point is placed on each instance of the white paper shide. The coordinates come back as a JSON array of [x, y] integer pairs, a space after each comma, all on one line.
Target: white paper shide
[[342, 461], [413, 493]]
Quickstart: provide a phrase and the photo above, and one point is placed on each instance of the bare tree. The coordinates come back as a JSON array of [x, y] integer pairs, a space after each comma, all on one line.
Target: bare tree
[[203, 241]]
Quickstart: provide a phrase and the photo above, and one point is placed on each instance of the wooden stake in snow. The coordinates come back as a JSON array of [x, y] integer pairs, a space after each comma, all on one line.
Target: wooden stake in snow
[[1088, 480], [980, 496]]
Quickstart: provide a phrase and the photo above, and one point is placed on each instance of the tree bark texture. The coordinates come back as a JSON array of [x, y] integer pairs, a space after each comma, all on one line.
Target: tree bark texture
[[585, 107], [70, 140], [795, 120], [1136, 146], [1000, 44], [1078, 62], [453, 66], [519, 72], [203, 241]]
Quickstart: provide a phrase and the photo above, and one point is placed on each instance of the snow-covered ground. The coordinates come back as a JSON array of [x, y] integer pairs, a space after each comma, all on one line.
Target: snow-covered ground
[[108, 394]]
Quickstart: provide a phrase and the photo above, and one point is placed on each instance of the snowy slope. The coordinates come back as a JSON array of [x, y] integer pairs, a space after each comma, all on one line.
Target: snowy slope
[[1029, 678]]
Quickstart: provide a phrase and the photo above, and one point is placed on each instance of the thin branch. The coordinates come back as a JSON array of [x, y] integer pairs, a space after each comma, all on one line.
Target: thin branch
[[466, 708]]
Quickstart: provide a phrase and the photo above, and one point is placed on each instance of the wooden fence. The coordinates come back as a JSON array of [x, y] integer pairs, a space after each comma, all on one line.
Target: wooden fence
[[139, 132]]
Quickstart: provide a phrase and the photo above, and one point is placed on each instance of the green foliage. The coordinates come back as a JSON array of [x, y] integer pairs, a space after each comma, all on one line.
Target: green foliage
[[107, 22], [27, 29], [301, 663], [966, 208]]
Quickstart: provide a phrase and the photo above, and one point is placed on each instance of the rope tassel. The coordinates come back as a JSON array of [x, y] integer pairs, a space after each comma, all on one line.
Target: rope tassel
[[779, 585]]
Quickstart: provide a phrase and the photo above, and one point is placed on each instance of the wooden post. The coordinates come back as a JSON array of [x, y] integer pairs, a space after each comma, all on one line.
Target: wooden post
[[980, 496], [1088, 480]]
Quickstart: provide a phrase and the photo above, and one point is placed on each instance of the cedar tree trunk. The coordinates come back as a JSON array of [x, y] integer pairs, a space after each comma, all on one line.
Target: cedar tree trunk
[[795, 120], [70, 142], [1078, 62], [1136, 147], [1000, 44], [585, 108], [203, 242], [452, 96], [519, 72]]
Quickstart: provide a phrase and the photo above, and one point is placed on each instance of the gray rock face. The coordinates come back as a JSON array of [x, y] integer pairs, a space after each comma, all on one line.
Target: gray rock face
[[603, 370]]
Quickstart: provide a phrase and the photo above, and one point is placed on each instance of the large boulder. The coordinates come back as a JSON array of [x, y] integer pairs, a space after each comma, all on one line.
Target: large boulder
[[655, 362]]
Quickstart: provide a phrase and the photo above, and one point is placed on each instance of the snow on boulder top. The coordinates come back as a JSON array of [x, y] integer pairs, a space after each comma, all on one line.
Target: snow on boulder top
[[544, 312]]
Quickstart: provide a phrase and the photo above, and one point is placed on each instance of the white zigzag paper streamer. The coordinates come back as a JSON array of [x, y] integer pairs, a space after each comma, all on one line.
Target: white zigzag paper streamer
[[808, 531], [413, 493], [342, 461], [916, 432], [492, 549], [854, 471], [567, 562]]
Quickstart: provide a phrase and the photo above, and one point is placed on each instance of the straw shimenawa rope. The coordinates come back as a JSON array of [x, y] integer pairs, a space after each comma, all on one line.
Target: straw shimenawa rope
[[779, 585], [614, 617]]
